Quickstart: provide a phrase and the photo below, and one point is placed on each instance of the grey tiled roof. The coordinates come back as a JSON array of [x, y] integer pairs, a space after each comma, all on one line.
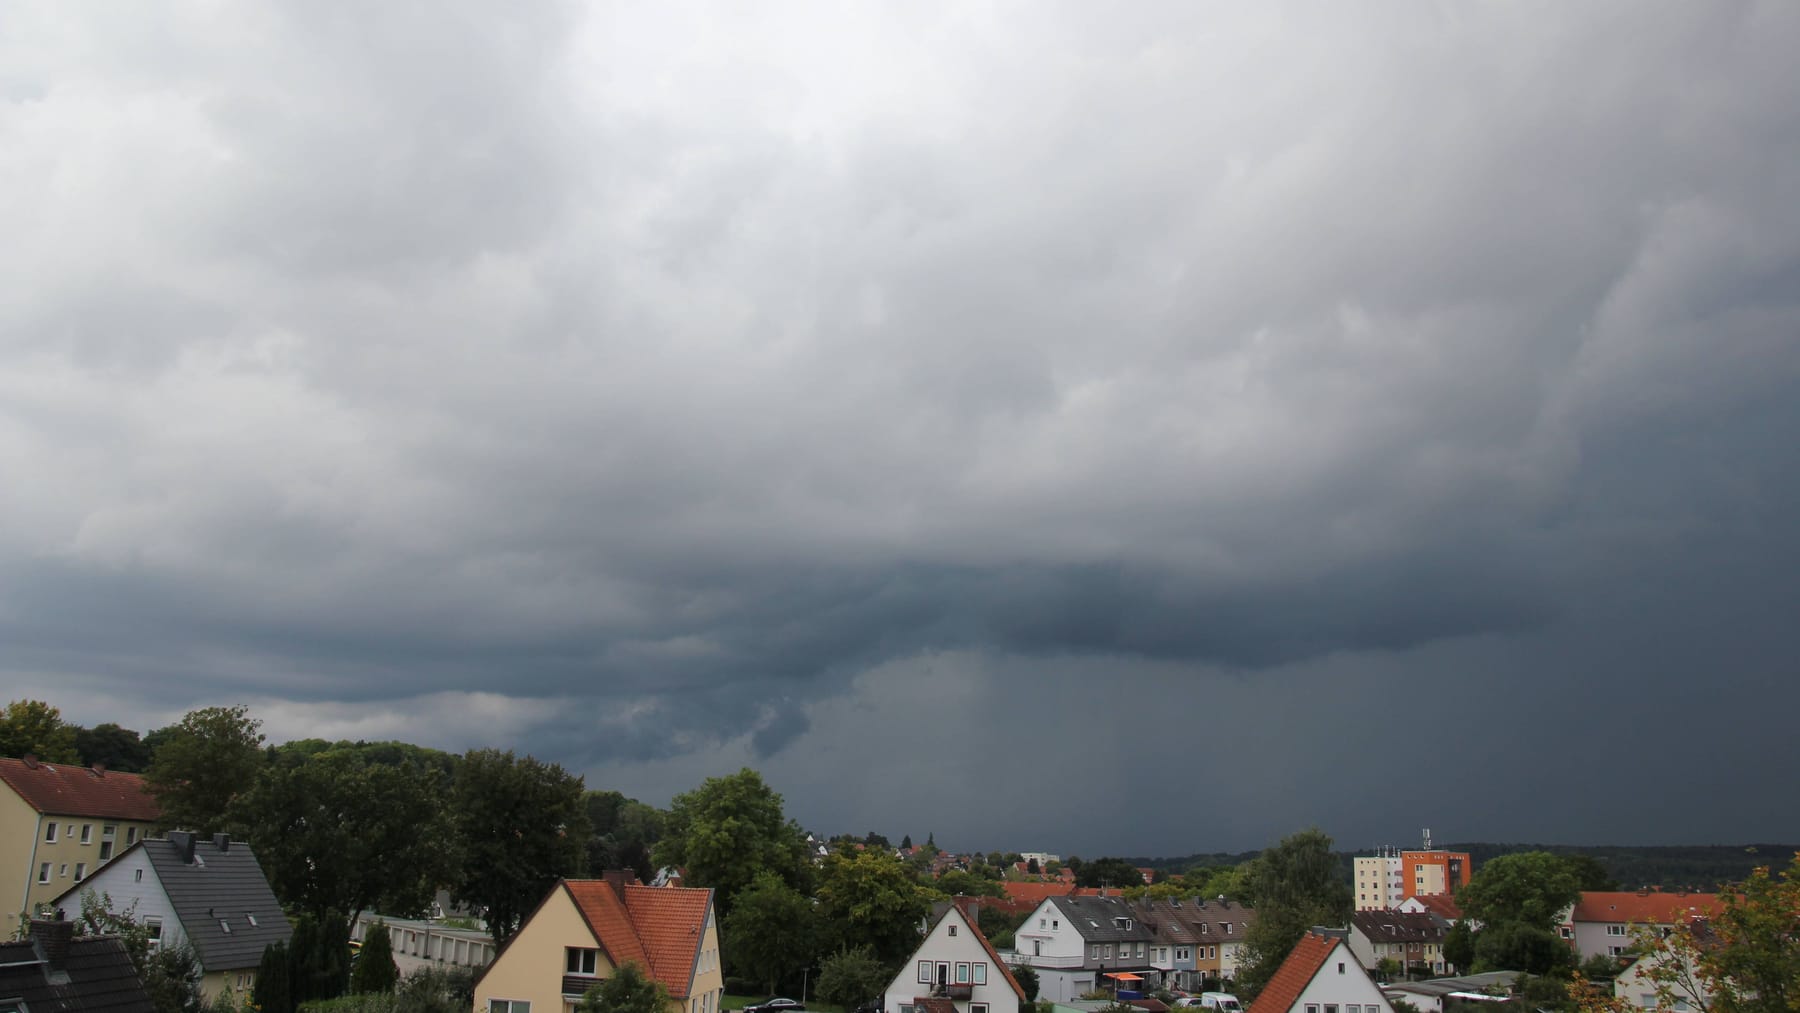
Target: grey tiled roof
[[96, 977], [1094, 918], [220, 889]]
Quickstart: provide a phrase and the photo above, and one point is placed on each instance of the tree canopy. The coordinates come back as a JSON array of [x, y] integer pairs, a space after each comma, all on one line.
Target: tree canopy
[[35, 727], [772, 931], [206, 760], [727, 831], [1296, 884], [1112, 872], [627, 990], [118, 748], [868, 898], [520, 825], [852, 976], [1528, 888]]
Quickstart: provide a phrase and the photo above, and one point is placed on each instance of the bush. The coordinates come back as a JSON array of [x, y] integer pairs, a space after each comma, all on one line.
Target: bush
[[371, 1003]]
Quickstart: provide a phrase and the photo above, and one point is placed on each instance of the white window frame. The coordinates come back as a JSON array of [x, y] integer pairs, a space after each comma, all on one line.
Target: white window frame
[[87, 833], [50, 832], [979, 970], [925, 969]]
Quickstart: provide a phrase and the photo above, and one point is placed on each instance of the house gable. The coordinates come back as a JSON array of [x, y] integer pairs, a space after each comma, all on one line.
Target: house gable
[[954, 950], [531, 966], [1319, 972]]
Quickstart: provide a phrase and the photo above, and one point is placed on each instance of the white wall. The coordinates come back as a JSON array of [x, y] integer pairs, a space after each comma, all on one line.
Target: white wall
[[1341, 982], [126, 880], [952, 942], [1046, 939]]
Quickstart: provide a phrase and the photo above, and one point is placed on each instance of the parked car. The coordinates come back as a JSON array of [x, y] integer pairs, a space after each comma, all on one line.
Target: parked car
[[774, 1005], [872, 1006]]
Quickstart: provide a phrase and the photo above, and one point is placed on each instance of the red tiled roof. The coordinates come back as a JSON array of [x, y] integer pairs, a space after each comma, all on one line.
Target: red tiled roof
[[1036, 892], [658, 927], [1653, 908], [66, 789], [1441, 904], [1295, 973], [670, 921]]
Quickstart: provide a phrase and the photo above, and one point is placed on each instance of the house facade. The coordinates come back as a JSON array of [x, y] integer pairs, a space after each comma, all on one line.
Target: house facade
[[585, 929], [954, 970], [1414, 942], [210, 895], [1174, 943], [1219, 930], [1321, 975], [59, 823], [1600, 922], [1377, 880], [1074, 943]]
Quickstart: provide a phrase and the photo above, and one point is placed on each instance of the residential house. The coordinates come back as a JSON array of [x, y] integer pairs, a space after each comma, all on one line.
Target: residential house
[[56, 971], [1077, 945], [954, 970], [1219, 930], [1601, 921], [1172, 951], [211, 895], [60, 822], [1441, 904], [584, 929], [1321, 975], [419, 944], [1414, 942], [1689, 991]]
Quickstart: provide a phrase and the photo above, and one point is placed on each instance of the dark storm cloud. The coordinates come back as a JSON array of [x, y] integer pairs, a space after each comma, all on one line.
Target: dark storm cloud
[[634, 386]]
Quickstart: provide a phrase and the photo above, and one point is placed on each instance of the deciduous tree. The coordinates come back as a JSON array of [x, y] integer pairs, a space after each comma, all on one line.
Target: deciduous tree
[[337, 834], [208, 758], [727, 831], [34, 727], [118, 748], [867, 898], [627, 990], [1296, 884], [771, 932], [853, 976], [1529, 888], [520, 825]]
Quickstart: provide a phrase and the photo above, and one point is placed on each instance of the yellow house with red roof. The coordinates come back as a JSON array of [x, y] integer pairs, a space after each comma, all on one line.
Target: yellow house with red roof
[[584, 929], [59, 823]]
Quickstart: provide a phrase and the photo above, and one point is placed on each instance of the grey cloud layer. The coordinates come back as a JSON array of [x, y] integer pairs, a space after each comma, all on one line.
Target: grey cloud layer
[[690, 364]]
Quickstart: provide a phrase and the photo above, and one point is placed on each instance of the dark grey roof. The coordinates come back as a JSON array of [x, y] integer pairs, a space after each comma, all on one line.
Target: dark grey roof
[[96, 977], [1096, 919], [219, 888], [1215, 915], [1400, 926]]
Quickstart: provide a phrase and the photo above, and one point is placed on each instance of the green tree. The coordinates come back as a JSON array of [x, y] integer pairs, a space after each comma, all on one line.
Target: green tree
[[375, 972], [624, 831], [851, 977], [1589, 873], [118, 748], [520, 825], [35, 727], [271, 993], [728, 830], [1297, 884], [771, 932], [1027, 977], [1519, 946], [1459, 946], [209, 758], [1113, 873], [318, 959], [627, 990], [868, 898], [968, 884], [336, 833], [436, 989], [1529, 888]]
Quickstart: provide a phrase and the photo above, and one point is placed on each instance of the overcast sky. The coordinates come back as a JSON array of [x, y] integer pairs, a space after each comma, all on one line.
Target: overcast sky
[[1095, 428]]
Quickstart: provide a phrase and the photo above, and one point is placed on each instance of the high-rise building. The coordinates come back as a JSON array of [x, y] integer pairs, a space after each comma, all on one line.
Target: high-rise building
[[1378, 885]]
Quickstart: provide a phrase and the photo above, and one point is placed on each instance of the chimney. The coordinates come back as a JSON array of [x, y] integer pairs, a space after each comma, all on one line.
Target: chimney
[[99, 768], [53, 939], [183, 840], [618, 879], [222, 842], [30, 761]]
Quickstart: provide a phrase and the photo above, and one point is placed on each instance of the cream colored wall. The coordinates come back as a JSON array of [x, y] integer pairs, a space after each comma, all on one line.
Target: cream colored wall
[[67, 852], [239, 983], [709, 976], [531, 969], [17, 870]]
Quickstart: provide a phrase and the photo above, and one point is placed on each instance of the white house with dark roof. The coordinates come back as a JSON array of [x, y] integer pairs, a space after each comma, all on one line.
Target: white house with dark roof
[[211, 895], [1079, 944]]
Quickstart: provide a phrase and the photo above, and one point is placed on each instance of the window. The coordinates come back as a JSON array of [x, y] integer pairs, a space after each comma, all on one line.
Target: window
[[1181, 953], [578, 961], [44, 873], [906, 1007], [924, 972], [1042, 922], [87, 833], [1093, 951], [250, 916], [130, 835], [1615, 930], [153, 930], [1331, 1007], [50, 832], [1106, 951], [80, 871], [1567, 932], [106, 848], [978, 1007], [953, 932], [63, 870], [1056, 923], [1615, 950], [981, 972], [1312, 1007], [1205, 928], [1340, 971], [962, 972], [1228, 928], [224, 926], [508, 1006], [137, 875]]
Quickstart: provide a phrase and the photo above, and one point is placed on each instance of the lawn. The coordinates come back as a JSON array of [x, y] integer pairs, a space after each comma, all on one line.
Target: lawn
[[736, 1002]]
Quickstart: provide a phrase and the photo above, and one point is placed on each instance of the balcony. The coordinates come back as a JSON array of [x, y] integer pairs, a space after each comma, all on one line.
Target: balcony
[[964, 991]]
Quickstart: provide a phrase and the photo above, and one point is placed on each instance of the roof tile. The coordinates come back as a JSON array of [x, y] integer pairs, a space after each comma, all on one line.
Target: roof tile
[[1291, 979], [67, 789]]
